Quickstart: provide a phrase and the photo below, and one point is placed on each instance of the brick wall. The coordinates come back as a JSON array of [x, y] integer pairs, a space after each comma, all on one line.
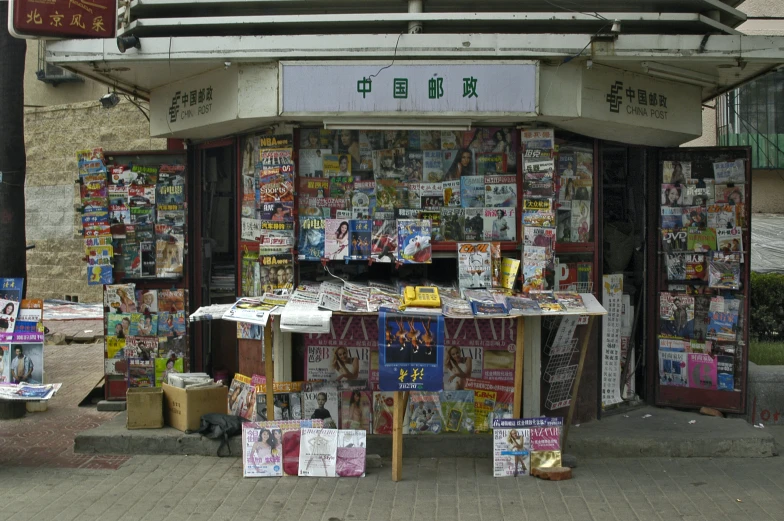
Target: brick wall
[[55, 267]]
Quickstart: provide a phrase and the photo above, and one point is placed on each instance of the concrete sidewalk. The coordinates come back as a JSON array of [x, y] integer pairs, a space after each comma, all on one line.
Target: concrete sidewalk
[[45, 439], [81, 331], [179, 488], [644, 432]]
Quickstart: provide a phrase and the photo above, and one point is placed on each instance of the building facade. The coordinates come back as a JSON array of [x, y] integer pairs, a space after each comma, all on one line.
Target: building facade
[[62, 115], [619, 90]]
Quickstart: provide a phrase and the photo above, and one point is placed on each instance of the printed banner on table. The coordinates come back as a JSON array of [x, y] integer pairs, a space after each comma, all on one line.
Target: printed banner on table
[[362, 331], [411, 352]]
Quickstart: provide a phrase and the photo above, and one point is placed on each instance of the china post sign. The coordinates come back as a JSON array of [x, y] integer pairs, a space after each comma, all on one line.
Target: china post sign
[[66, 18], [445, 88]]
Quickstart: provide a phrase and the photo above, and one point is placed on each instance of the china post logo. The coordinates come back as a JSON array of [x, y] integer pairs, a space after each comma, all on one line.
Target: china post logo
[[615, 97]]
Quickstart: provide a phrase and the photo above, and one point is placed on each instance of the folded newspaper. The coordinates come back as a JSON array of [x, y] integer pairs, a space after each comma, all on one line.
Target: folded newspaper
[[213, 312], [250, 310], [29, 392]]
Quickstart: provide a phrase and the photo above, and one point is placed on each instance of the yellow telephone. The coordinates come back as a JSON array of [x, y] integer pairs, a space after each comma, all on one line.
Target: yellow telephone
[[423, 296]]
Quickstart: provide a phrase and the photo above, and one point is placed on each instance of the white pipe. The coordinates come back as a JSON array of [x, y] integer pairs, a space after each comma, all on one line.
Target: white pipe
[[415, 6]]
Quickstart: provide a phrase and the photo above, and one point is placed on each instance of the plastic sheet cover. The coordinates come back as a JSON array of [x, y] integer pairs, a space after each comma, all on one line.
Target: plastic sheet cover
[[767, 243]]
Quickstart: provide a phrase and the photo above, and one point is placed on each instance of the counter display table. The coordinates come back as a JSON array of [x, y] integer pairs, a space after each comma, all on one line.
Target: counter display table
[[592, 309]]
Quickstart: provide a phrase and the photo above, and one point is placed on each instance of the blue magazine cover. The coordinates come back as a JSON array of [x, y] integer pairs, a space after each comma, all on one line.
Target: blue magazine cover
[[725, 373], [413, 241], [311, 238], [722, 326], [360, 239], [411, 352], [11, 289]]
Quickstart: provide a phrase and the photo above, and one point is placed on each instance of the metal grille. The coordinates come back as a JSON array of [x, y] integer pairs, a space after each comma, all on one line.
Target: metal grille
[[753, 115]]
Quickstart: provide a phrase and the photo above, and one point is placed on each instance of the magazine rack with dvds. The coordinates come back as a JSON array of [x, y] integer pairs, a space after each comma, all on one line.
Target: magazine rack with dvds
[[700, 288]]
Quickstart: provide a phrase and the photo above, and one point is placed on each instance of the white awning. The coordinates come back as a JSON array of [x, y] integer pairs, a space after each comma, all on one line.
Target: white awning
[[718, 62]]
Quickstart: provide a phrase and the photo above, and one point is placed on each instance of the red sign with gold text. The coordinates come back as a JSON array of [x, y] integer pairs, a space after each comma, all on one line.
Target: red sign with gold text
[[66, 18]]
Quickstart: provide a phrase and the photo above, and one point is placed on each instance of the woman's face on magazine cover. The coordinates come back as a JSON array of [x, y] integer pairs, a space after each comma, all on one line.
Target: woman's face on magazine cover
[[342, 354]]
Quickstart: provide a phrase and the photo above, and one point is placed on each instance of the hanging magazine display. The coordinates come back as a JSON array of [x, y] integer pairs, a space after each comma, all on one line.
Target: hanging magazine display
[[704, 274], [381, 175]]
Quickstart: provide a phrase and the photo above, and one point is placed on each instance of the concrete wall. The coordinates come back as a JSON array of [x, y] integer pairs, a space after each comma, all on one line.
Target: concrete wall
[[40, 94], [767, 187], [56, 267]]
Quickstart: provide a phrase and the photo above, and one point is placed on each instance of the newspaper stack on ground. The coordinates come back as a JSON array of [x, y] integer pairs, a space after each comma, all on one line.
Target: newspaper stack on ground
[[191, 380], [28, 392]]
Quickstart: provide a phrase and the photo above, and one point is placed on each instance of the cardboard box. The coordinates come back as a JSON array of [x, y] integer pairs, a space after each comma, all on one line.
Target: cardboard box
[[183, 408], [145, 408]]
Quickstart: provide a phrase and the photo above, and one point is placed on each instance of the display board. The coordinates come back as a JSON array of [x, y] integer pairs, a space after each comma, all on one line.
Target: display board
[[137, 244], [702, 278]]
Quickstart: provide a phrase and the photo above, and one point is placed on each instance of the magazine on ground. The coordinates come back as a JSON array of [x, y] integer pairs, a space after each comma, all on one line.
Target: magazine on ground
[[351, 453], [262, 451], [511, 452], [318, 452]]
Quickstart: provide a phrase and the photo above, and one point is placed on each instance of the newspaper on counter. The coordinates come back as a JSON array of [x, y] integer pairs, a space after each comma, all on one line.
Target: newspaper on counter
[[213, 312], [250, 310]]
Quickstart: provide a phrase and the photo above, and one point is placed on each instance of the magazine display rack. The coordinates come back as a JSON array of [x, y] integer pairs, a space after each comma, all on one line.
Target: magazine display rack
[[146, 290], [702, 285]]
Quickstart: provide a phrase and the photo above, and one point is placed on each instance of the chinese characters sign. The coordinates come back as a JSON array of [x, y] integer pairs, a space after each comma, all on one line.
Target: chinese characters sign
[[612, 294], [66, 18], [195, 103], [639, 100], [409, 88], [411, 352]]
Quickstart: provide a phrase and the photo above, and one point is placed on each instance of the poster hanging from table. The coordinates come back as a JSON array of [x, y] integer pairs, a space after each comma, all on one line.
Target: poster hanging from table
[[411, 352], [612, 294]]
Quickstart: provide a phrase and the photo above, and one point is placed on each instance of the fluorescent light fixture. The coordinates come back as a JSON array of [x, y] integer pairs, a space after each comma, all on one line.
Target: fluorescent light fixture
[[668, 72], [396, 124]]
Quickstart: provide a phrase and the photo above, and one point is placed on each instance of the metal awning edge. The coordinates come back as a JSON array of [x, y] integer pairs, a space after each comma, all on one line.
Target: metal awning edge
[[767, 51]]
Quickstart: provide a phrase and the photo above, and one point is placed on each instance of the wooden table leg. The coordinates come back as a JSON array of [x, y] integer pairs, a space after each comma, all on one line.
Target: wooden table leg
[[269, 370], [576, 387], [401, 398], [519, 367]]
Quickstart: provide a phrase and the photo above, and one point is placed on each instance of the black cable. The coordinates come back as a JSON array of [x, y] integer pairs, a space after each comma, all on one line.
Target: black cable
[[590, 41], [394, 57], [138, 106], [595, 14]]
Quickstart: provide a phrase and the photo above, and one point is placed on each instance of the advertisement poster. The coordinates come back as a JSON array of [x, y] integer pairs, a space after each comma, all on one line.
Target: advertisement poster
[[411, 352], [612, 291]]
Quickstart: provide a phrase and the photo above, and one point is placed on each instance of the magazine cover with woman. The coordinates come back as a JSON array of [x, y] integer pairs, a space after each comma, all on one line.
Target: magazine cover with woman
[[511, 452], [355, 410], [336, 364], [262, 450], [336, 239]]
